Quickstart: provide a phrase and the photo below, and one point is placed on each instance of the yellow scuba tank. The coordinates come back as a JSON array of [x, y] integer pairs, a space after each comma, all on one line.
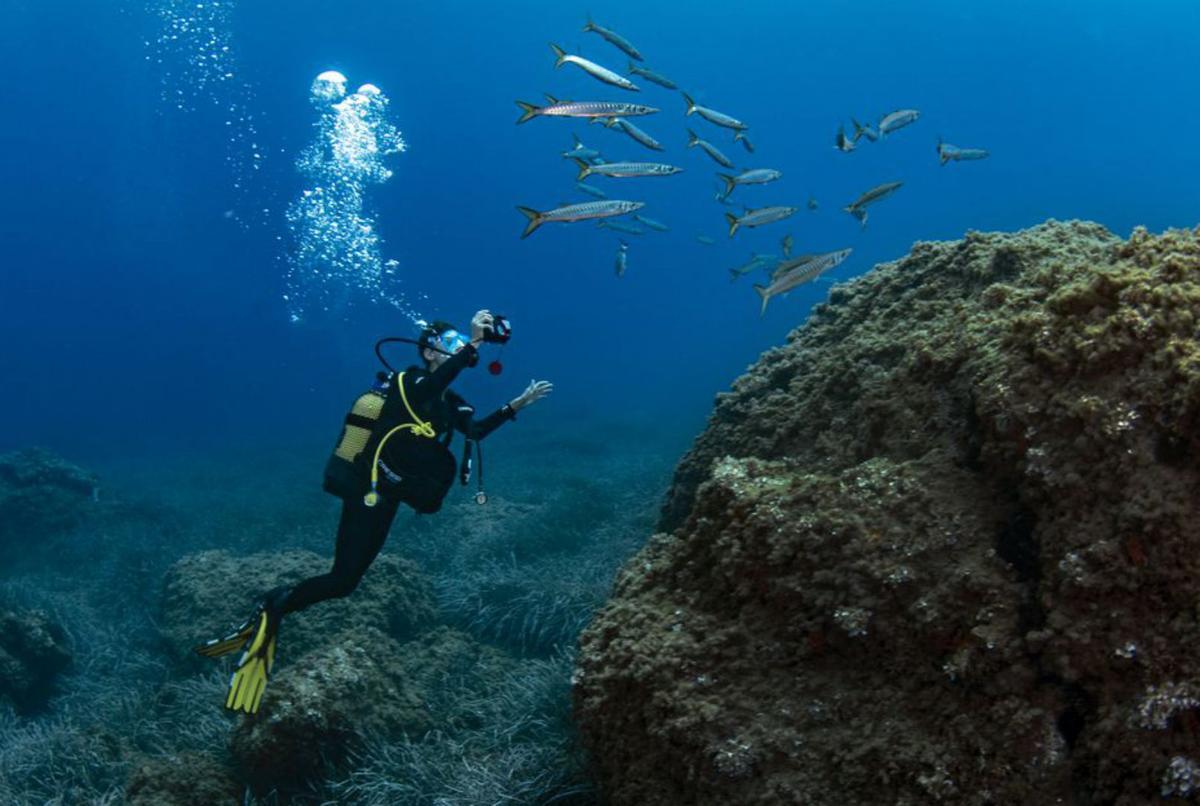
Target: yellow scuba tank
[[343, 476], [427, 467]]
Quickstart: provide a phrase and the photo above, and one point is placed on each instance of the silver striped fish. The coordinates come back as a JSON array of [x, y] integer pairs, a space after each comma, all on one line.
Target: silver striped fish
[[712, 115], [625, 170], [650, 75], [794, 273], [577, 212], [592, 69], [613, 37], [758, 217], [621, 226], [650, 222], [897, 120], [581, 109], [709, 149], [858, 208], [947, 152], [758, 176], [636, 133]]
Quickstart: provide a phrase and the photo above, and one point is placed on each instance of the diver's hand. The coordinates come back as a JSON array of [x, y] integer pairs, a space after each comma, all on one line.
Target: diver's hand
[[481, 323], [532, 394]]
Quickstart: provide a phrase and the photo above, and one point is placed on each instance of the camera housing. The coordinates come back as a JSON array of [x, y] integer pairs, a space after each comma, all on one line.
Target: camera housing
[[501, 330]]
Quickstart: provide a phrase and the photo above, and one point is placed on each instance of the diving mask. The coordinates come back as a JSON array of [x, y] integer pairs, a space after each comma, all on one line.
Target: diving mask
[[451, 341]]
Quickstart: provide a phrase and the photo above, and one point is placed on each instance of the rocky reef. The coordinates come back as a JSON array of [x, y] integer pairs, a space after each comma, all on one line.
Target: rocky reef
[[941, 547], [40, 493], [33, 652]]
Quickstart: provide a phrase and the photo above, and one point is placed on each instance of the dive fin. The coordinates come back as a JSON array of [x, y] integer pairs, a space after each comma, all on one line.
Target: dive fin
[[219, 647], [249, 680], [535, 220]]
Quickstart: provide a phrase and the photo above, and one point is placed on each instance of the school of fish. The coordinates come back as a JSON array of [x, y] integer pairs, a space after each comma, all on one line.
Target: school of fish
[[785, 273]]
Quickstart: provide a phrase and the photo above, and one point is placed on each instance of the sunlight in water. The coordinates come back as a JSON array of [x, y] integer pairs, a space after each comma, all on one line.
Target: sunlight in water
[[337, 258]]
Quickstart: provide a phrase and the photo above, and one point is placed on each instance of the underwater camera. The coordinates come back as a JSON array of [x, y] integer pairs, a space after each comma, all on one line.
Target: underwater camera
[[501, 330]]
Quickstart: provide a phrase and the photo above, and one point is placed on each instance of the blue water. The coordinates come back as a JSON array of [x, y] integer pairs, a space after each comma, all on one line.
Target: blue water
[[141, 309]]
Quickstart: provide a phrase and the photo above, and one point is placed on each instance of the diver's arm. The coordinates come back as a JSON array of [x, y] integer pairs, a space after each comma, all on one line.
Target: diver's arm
[[432, 385], [465, 421]]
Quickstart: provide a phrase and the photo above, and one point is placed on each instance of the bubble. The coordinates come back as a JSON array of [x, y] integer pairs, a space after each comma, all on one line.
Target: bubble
[[337, 259], [198, 68], [328, 87]]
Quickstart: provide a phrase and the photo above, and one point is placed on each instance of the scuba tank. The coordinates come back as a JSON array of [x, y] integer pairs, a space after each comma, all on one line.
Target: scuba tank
[[343, 472]]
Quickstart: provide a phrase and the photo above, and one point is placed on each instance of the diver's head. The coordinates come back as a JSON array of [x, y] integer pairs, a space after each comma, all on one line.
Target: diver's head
[[439, 340]]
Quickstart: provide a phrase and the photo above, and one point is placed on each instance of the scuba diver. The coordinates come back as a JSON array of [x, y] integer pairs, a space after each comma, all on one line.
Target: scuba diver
[[394, 450]]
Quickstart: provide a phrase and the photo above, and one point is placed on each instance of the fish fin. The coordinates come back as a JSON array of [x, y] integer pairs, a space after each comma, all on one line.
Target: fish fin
[[633, 67], [578, 142], [559, 54], [550, 99], [730, 183], [589, 26], [733, 223], [610, 122], [762, 293], [691, 105], [535, 220], [530, 111], [733, 275], [693, 139], [585, 170], [943, 157]]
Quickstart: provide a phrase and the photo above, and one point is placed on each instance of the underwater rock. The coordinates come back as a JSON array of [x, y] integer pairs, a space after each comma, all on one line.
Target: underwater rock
[[207, 594], [186, 779], [319, 707], [941, 547], [41, 493], [33, 651]]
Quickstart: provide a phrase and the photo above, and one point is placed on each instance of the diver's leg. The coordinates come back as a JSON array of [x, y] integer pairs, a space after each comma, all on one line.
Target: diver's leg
[[361, 533]]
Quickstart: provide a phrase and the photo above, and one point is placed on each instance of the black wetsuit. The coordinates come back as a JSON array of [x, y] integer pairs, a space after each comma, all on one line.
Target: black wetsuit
[[362, 530]]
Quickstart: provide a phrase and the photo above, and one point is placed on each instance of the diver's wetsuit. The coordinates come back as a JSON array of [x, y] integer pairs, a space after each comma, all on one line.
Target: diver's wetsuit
[[362, 530]]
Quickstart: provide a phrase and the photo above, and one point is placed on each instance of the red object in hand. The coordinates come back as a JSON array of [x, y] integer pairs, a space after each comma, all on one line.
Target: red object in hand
[[495, 367]]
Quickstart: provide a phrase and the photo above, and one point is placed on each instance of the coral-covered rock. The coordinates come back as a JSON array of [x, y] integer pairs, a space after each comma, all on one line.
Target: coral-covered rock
[[942, 547], [33, 651], [41, 493], [208, 593], [365, 684], [187, 779]]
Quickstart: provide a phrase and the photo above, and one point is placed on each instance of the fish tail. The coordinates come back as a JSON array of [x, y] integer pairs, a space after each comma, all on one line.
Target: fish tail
[[559, 54], [610, 122], [764, 296], [589, 26], [578, 142], [585, 170], [733, 223], [730, 183], [733, 275], [535, 220], [692, 138], [529, 111], [691, 105]]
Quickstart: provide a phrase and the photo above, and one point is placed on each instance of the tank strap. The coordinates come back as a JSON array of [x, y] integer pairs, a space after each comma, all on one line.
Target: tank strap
[[418, 427]]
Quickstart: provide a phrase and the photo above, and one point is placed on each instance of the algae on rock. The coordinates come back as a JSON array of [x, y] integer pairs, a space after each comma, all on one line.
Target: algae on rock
[[941, 547]]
